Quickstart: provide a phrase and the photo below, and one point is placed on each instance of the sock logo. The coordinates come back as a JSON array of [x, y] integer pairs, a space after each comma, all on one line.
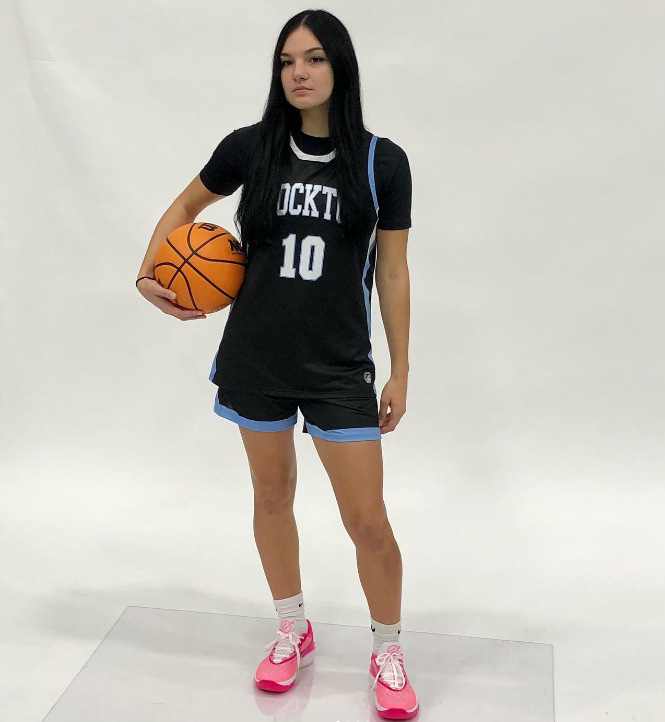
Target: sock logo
[[286, 625]]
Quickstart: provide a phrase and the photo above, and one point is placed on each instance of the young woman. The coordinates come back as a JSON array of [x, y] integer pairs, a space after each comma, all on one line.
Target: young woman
[[324, 203]]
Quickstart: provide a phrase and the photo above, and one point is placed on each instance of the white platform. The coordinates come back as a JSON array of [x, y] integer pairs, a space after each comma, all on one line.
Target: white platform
[[159, 664]]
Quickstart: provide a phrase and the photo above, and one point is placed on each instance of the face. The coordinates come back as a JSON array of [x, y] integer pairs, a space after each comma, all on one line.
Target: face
[[310, 69]]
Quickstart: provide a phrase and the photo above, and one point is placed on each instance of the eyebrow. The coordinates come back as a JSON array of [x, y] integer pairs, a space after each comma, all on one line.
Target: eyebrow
[[307, 51]]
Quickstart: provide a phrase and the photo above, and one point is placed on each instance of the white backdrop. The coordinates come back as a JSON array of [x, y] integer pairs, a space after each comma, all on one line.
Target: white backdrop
[[525, 482]]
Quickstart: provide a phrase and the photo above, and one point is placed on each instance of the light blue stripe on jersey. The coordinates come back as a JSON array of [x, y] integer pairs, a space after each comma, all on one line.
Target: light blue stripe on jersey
[[372, 241], [370, 170]]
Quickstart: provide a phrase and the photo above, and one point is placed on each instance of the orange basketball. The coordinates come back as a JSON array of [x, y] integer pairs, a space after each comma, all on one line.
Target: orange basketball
[[203, 264]]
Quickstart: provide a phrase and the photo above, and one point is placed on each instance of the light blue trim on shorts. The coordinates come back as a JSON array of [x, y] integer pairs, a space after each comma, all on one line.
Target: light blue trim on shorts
[[226, 413], [362, 433]]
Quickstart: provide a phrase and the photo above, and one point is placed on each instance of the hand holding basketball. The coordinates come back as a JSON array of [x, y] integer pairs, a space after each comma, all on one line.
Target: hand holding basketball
[[164, 299]]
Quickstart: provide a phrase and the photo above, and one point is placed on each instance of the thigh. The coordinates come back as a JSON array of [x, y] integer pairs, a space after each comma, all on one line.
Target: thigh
[[266, 426], [272, 464], [355, 469]]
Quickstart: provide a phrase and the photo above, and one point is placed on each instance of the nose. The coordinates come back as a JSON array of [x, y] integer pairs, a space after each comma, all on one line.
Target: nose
[[299, 70]]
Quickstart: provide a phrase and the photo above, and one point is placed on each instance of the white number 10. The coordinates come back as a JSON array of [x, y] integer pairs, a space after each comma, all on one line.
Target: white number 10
[[312, 250]]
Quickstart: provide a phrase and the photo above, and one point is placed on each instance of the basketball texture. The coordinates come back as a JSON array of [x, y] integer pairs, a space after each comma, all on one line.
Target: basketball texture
[[203, 264]]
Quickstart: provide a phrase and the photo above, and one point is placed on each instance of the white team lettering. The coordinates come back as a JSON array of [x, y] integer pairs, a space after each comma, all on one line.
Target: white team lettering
[[311, 191], [286, 204]]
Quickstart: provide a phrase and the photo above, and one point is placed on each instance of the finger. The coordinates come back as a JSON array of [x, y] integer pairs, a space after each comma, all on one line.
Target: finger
[[166, 293], [188, 314], [167, 306], [183, 314], [159, 290]]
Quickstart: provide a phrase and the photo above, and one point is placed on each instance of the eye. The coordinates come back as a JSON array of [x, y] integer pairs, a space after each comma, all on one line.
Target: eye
[[316, 57]]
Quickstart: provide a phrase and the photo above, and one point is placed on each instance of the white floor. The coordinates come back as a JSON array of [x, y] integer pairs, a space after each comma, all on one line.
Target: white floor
[[157, 664]]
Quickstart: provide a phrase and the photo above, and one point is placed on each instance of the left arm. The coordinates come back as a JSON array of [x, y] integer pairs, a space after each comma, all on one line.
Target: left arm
[[393, 288]]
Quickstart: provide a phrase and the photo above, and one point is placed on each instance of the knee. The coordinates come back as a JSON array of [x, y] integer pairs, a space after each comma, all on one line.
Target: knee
[[274, 495], [370, 531]]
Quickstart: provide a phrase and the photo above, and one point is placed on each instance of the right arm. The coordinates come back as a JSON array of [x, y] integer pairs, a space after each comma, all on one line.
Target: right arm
[[184, 209]]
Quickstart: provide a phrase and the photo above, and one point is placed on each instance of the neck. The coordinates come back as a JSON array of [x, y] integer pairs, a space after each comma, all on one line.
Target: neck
[[315, 121]]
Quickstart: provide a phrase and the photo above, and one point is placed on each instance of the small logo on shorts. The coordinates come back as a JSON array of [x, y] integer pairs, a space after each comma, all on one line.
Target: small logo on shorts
[[368, 377]]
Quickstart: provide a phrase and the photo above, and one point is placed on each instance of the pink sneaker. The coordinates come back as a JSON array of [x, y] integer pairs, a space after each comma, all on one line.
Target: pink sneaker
[[278, 671], [395, 698]]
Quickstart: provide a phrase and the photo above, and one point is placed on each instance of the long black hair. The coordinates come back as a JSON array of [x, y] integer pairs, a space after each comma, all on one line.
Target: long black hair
[[256, 212]]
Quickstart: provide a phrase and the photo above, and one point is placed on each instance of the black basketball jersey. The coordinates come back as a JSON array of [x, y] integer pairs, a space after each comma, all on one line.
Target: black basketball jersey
[[301, 322]]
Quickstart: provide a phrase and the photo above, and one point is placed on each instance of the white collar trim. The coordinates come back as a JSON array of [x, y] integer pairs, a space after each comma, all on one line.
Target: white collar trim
[[308, 156]]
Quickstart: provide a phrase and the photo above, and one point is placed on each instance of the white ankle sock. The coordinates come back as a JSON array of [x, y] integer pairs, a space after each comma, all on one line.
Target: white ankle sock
[[385, 634], [292, 608]]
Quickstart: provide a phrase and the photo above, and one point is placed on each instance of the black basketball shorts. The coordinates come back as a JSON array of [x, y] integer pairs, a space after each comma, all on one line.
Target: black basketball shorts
[[338, 419]]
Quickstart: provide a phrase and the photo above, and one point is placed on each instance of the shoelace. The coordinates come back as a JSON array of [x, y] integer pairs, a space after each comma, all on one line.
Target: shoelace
[[283, 643], [394, 674]]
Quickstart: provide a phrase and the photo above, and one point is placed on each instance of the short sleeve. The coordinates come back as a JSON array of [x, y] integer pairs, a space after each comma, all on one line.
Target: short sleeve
[[395, 191], [222, 173]]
